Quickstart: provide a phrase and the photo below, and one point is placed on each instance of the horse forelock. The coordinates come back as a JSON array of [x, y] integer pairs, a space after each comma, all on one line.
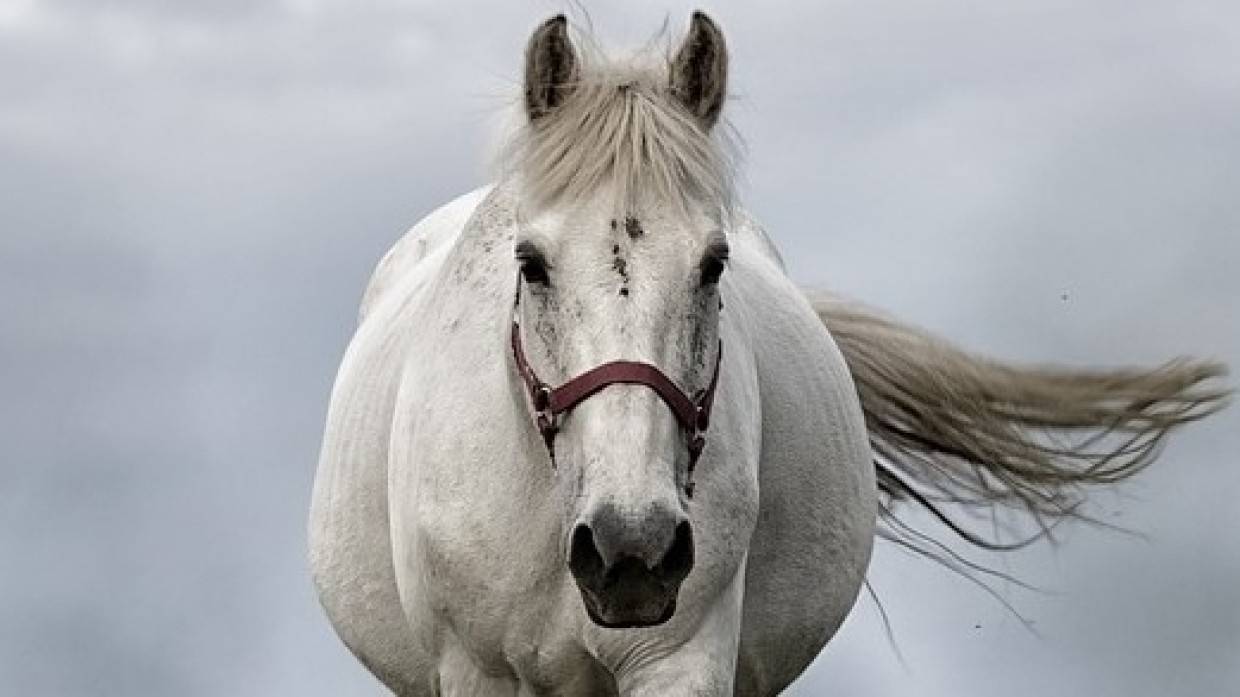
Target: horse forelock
[[621, 130]]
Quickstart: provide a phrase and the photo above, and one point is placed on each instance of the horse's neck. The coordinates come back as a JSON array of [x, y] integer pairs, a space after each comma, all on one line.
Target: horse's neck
[[419, 253], [478, 270]]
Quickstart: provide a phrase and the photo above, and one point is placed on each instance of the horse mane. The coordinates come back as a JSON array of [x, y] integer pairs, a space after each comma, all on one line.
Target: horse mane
[[621, 127], [949, 427]]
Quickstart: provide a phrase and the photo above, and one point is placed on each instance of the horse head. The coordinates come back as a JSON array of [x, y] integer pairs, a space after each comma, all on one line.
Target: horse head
[[621, 247]]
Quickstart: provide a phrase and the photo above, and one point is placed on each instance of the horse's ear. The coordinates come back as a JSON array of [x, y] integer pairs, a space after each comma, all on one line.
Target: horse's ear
[[550, 68], [699, 72]]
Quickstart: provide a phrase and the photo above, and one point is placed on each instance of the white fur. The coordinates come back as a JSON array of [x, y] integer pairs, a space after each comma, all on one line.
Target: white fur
[[438, 529]]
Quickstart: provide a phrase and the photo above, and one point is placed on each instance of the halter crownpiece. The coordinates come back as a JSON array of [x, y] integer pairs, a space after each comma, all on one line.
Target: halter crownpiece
[[551, 403]]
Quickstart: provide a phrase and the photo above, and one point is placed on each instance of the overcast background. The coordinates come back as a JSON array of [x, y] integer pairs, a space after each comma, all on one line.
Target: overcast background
[[192, 195]]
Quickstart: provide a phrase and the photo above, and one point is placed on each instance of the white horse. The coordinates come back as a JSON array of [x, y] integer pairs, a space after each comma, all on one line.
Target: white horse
[[590, 439]]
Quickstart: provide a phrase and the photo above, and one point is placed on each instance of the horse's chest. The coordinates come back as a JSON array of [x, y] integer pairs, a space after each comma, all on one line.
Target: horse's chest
[[481, 568], [500, 608]]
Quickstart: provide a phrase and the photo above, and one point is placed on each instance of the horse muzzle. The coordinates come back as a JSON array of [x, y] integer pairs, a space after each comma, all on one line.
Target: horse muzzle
[[629, 570]]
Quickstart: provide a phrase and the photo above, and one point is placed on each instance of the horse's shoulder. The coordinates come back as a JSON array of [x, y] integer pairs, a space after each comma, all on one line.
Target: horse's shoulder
[[428, 235]]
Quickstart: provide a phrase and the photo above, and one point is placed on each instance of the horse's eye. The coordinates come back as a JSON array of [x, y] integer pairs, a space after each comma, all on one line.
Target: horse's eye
[[713, 264], [533, 264], [535, 271]]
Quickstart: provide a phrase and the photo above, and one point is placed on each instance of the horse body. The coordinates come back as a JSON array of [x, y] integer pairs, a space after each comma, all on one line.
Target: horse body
[[436, 542], [470, 534]]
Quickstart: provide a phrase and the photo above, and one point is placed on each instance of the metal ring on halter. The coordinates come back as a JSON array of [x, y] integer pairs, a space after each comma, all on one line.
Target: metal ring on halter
[[701, 419], [542, 398]]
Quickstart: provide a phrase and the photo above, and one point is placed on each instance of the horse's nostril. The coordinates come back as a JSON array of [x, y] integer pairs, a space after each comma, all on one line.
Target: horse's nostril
[[629, 568], [612, 549], [678, 560], [584, 559]]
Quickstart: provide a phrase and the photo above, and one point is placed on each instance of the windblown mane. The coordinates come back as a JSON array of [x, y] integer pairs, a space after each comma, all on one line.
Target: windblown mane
[[621, 127]]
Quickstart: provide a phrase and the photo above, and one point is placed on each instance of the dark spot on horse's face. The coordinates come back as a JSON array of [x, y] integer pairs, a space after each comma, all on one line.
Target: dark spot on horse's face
[[621, 267], [613, 224], [633, 227]]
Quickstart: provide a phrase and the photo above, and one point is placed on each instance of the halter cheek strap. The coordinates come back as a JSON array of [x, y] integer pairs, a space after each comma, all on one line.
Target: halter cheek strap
[[551, 403]]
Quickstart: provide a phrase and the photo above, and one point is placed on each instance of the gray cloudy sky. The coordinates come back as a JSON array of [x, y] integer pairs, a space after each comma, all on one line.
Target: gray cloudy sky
[[193, 194]]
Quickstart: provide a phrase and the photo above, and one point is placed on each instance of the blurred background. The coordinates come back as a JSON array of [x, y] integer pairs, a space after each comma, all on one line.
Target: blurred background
[[192, 196]]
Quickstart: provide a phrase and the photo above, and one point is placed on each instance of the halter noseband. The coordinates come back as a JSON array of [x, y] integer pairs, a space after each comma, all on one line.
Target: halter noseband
[[551, 403]]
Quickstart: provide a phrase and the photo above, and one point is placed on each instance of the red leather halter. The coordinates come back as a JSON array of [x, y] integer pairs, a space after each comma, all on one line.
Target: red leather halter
[[550, 403]]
